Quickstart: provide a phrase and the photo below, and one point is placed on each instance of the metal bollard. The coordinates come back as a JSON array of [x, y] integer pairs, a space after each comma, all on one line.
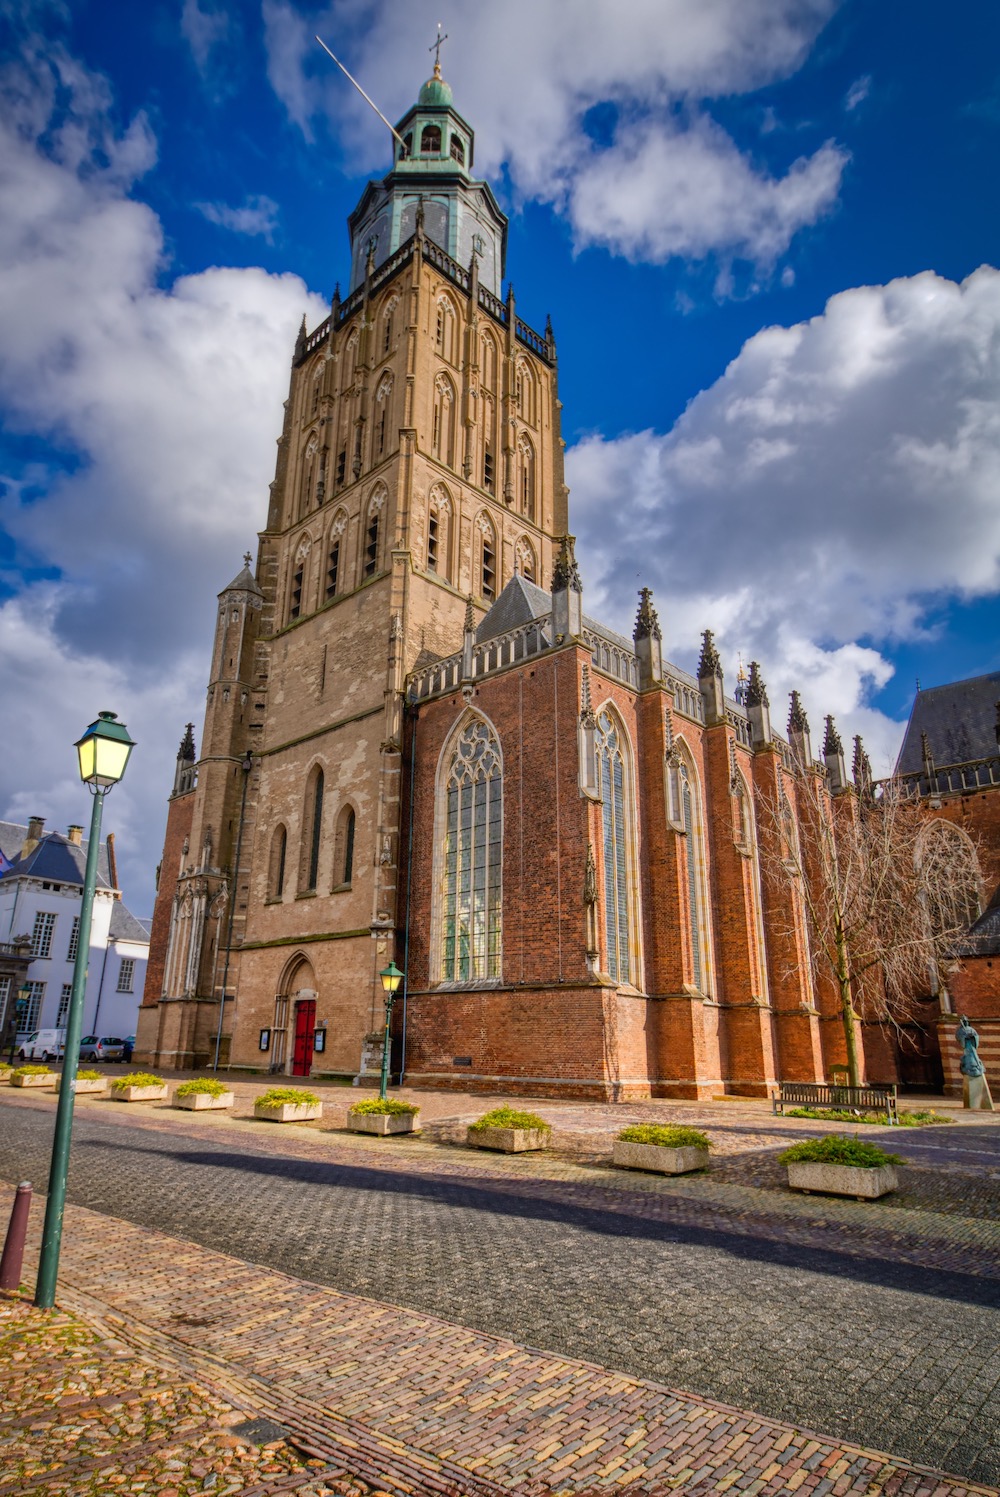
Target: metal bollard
[[13, 1248]]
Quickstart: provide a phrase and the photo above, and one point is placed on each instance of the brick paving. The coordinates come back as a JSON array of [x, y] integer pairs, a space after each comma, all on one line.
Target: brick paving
[[418, 1403], [923, 1381]]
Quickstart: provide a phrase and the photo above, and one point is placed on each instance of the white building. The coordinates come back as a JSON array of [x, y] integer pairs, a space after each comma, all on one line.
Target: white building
[[40, 895]]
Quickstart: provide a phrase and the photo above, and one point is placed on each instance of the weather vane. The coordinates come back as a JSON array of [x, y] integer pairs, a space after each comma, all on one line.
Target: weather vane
[[435, 47], [361, 91]]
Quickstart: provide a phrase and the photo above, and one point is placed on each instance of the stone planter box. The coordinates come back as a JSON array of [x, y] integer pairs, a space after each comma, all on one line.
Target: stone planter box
[[49, 1080], [382, 1123], [289, 1112], [657, 1159], [141, 1093], [205, 1102], [843, 1179], [83, 1086], [508, 1140]]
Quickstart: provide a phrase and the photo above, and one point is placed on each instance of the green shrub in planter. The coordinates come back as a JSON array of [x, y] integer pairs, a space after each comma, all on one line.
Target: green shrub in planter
[[277, 1096], [666, 1135], [32, 1071], [137, 1078], [89, 1076], [509, 1117], [204, 1084], [392, 1106], [839, 1148]]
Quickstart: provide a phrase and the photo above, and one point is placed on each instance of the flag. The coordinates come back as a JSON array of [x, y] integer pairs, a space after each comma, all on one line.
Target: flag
[[5, 864]]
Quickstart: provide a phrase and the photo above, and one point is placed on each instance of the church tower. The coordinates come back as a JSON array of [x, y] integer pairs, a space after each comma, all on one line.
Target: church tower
[[419, 467]]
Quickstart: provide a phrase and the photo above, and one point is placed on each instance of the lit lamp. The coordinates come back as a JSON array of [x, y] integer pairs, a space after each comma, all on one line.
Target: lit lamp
[[104, 752], [20, 1007], [391, 978]]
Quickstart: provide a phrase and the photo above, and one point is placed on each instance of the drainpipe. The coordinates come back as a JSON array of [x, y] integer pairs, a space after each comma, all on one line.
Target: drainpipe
[[409, 896], [246, 766]]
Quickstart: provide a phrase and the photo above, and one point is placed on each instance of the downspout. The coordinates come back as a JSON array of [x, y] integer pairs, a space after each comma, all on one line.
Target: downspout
[[246, 766], [409, 896], [100, 985]]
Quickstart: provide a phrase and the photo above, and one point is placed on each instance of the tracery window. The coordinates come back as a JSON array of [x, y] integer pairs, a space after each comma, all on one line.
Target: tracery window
[[438, 532], [443, 430], [487, 559], [312, 828], [473, 855], [691, 821], [526, 475], [444, 329], [613, 782], [373, 532], [382, 398]]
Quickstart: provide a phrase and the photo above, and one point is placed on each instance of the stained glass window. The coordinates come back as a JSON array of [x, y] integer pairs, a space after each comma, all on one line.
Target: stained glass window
[[473, 854], [694, 889], [612, 780]]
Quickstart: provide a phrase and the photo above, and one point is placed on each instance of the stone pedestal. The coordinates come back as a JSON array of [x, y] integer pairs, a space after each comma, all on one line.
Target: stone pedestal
[[976, 1094]]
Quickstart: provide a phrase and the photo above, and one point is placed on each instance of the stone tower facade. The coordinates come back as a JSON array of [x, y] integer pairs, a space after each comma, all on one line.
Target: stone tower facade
[[419, 468]]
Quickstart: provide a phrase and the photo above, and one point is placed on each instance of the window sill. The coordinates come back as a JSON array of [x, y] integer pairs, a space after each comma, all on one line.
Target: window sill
[[306, 894], [341, 888]]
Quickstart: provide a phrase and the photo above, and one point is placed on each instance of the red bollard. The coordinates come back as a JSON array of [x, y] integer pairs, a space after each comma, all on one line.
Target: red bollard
[[13, 1248]]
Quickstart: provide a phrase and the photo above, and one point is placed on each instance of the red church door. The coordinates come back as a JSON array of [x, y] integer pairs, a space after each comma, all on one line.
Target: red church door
[[305, 1029]]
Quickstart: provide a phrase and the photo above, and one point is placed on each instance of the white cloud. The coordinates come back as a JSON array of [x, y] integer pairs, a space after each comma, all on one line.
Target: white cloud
[[858, 92], [204, 29], [672, 181], [839, 477], [167, 397], [258, 216]]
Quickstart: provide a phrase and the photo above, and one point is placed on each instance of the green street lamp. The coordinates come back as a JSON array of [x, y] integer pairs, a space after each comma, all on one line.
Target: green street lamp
[[14, 1022], [104, 752], [391, 978]]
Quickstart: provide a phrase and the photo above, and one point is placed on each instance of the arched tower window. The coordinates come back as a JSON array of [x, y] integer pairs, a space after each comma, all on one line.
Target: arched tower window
[[430, 140], [444, 328], [488, 363], [334, 555], [383, 400], [524, 551], [439, 532], [489, 475], [343, 848], [524, 392], [310, 466], [697, 886], [388, 323], [457, 149], [276, 864], [443, 429], [373, 534], [614, 780], [487, 568], [470, 807], [526, 475], [350, 357], [312, 829], [296, 592]]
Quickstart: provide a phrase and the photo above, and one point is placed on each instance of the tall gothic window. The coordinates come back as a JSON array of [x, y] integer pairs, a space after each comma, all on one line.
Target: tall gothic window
[[613, 781], [444, 329], [473, 855], [443, 429], [690, 809], [312, 828], [382, 399], [438, 538], [487, 559], [295, 606], [526, 476], [276, 872], [343, 849]]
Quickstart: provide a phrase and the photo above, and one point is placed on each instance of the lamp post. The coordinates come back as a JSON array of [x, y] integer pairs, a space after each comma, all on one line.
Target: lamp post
[[104, 752], [20, 1007], [391, 978]]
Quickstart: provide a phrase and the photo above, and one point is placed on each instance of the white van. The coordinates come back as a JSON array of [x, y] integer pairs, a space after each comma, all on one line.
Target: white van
[[44, 1044]]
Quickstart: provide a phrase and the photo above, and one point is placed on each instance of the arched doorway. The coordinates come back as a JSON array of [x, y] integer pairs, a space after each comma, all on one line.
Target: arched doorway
[[295, 1019]]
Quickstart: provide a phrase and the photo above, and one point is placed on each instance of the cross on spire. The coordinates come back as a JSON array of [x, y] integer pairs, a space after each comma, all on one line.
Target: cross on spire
[[435, 47]]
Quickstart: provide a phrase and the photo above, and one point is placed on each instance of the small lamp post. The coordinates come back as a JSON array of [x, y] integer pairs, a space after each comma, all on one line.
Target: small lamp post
[[20, 1007], [391, 978], [104, 752]]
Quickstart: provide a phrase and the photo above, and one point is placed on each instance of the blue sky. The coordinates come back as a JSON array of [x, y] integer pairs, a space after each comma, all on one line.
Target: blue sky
[[764, 231]]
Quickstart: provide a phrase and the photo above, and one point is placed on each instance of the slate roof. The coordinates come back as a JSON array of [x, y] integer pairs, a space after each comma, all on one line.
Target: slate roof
[[983, 938], [127, 927], [243, 582], [519, 603], [55, 859], [959, 720]]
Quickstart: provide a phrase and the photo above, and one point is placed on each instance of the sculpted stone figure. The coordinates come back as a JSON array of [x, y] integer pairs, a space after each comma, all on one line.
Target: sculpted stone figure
[[975, 1087]]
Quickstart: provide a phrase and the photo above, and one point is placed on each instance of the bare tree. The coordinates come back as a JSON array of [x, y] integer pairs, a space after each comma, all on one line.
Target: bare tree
[[885, 887]]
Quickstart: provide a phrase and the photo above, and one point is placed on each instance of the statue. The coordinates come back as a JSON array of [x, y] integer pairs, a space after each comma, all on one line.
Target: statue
[[975, 1088]]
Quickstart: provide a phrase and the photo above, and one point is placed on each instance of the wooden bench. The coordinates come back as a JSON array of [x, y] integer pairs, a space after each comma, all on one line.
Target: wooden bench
[[874, 1098]]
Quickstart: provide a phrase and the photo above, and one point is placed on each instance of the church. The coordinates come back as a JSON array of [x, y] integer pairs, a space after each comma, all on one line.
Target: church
[[419, 747]]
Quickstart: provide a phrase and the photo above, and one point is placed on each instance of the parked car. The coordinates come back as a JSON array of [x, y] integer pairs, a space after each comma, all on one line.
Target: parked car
[[101, 1047], [43, 1044], [129, 1043]]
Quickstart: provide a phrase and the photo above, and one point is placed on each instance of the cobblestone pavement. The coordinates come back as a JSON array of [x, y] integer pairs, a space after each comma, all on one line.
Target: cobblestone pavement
[[429, 1406], [877, 1325]]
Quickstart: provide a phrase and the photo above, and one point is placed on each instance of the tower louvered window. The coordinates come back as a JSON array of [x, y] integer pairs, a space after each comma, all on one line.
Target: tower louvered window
[[473, 854], [371, 548], [612, 780], [432, 542], [333, 570], [296, 607], [489, 568]]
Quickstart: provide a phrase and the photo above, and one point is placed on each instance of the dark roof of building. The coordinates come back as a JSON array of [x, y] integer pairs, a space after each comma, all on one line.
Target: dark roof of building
[[243, 582], [57, 860], [959, 720], [983, 938], [519, 603], [127, 927]]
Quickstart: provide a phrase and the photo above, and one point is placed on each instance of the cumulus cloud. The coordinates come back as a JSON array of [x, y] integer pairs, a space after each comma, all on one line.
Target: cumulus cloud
[[839, 477], [161, 402], [257, 217], [204, 28], [670, 182]]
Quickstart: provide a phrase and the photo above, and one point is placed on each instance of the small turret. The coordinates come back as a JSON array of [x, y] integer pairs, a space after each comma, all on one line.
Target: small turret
[[710, 682], [648, 641], [567, 592], [861, 767], [468, 640], [798, 731], [833, 756], [758, 708], [184, 779]]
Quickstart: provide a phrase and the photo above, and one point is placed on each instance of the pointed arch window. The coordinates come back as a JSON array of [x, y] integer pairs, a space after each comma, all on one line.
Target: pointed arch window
[[487, 559], [276, 872], [312, 830], [613, 780], [457, 149], [472, 794], [694, 858], [525, 553], [443, 430], [388, 323], [343, 849], [373, 533], [444, 329], [526, 476], [383, 397], [430, 140], [334, 557], [438, 532], [488, 364], [524, 393]]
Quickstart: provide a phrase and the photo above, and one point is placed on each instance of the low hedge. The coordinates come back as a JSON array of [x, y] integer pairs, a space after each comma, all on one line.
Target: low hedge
[[393, 1106], [137, 1078], [665, 1136], [838, 1148], [509, 1117], [32, 1071], [277, 1096], [916, 1119], [208, 1086]]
